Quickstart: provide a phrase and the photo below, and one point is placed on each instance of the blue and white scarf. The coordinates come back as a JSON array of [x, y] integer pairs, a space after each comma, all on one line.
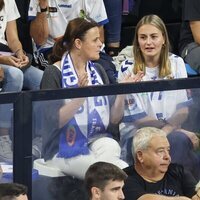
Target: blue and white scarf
[[92, 118]]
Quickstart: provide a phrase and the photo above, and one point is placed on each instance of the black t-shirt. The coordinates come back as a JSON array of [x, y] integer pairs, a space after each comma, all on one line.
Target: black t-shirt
[[191, 12], [176, 182]]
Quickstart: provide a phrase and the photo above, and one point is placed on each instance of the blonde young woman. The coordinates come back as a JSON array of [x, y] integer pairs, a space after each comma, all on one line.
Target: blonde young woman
[[165, 109]]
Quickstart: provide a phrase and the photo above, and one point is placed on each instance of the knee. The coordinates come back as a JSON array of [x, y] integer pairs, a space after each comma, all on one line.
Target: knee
[[14, 74], [178, 139], [111, 145]]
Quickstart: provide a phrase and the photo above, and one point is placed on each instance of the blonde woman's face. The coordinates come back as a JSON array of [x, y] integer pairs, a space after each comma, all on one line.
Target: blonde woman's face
[[150, 41]]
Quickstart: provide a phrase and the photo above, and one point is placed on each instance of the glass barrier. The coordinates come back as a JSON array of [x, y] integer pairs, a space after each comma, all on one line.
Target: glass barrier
[[6, 143], [70, 134]]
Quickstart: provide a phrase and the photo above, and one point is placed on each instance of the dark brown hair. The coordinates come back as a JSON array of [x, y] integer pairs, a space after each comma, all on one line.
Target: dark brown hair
[[100, 173], [1, 4], [76, 28], [12, 190]]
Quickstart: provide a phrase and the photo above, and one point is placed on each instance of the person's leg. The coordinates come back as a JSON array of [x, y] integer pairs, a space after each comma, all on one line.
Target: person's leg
[[126, 139], [13, 79], [113, 28], [32, 78], [182, 152], [108, 150], [75, 166]]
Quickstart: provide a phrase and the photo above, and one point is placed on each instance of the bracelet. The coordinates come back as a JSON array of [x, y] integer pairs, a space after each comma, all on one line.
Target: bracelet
[[43, 9]]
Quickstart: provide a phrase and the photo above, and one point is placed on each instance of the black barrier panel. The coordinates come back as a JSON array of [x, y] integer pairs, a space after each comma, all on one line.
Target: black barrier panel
[[24, 101]]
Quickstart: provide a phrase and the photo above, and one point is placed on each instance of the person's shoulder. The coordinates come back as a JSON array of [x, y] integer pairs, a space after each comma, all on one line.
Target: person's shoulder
[[174, 56], [130, 170], [127, 64], [52, 68], [53, 71], [175, 169]]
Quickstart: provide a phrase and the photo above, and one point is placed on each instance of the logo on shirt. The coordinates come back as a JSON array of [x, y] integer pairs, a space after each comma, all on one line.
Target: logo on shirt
[[167, 192], [70, 135], [65, 5]]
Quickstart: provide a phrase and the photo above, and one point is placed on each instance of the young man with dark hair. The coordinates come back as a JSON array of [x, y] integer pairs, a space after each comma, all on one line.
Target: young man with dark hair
[[13, 191], [104, 181]]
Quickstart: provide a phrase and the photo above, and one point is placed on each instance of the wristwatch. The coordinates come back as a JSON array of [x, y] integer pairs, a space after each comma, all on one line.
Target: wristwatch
[[42, 9]]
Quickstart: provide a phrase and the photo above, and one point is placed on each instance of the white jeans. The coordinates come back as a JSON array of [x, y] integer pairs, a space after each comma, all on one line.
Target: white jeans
[[103, 149]]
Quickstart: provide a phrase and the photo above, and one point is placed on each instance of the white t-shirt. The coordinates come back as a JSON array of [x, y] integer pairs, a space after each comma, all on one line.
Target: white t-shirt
[[62, 11], [7, 14], [158, 105]]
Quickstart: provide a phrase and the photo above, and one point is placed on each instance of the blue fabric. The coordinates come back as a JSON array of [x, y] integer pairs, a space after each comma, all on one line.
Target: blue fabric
[[190, 70], [114, 12], [182, 152], [72, 139], [87, 122]]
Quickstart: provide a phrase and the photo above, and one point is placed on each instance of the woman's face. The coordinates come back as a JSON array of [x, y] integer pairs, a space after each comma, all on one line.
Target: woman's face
[[150, 41], [91, 45]]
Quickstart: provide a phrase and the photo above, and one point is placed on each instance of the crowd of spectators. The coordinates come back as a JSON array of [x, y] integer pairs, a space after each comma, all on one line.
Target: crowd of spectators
[[74, 43]]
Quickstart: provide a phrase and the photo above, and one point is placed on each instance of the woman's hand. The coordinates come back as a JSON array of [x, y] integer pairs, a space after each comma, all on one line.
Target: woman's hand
[[11, 60], [24, 60], [133, 78], [83, 79]]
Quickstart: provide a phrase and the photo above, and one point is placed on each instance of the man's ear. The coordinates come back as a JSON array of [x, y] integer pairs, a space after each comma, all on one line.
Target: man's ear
[[139, 156], [96, 192], [78, 43]]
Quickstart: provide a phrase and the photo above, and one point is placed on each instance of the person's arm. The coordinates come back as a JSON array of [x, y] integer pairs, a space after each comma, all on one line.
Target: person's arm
[[117, 110], [70, 109], [12, 37], [178, 117], [39, 29], [195, 28], [15, 45], [161, 197]]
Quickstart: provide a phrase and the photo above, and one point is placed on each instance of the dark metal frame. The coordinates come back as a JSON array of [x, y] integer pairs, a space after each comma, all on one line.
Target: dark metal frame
[[23, 113]]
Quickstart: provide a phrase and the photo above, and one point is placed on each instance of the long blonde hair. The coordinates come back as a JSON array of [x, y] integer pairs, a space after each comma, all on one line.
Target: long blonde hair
[[164, 65]]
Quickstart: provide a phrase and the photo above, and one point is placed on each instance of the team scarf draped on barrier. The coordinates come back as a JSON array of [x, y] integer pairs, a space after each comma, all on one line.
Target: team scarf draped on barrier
[[91, 119]]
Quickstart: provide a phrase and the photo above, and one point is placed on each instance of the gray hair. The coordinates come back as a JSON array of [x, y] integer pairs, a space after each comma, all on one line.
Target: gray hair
[[142, 138]]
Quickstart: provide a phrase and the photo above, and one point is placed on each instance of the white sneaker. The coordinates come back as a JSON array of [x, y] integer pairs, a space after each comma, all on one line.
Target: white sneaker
[[6, 154]]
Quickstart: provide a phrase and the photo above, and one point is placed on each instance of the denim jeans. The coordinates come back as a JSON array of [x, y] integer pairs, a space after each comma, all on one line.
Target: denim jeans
[[14, 81], [113, 28]]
